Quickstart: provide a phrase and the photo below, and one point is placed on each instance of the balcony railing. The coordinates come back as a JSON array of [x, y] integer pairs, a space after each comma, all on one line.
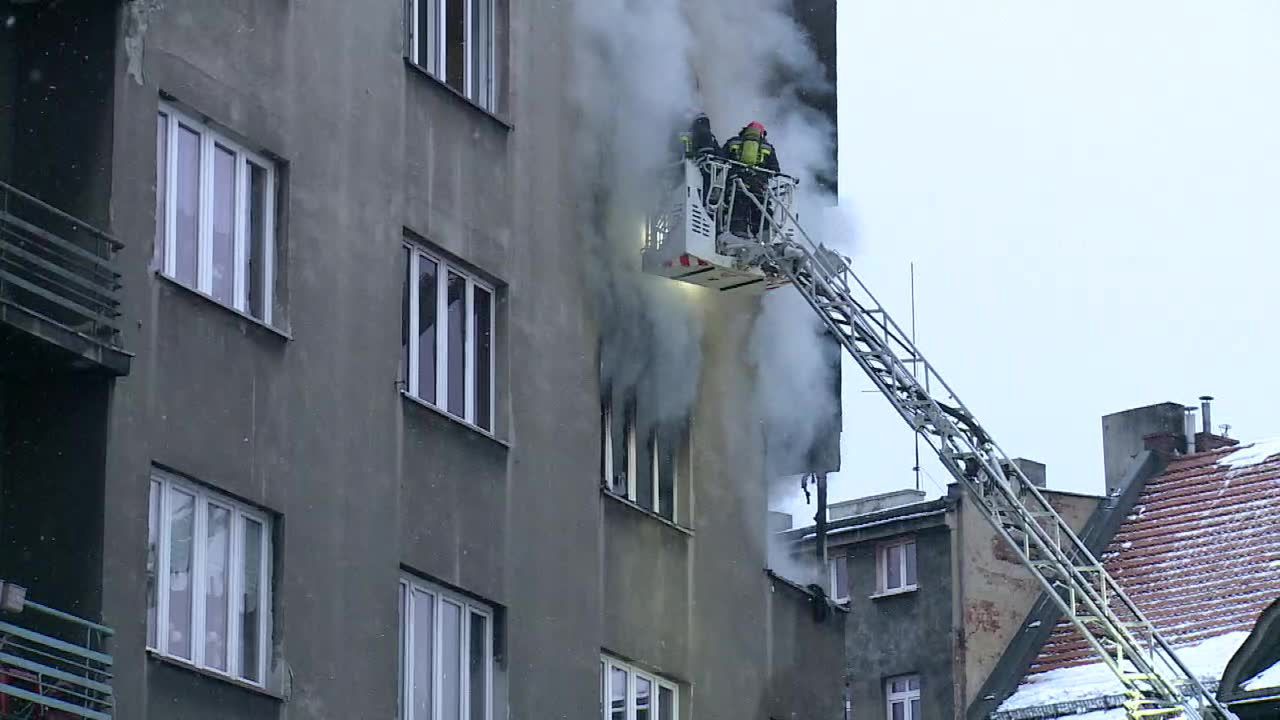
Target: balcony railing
[[58, 269], [53, 665]]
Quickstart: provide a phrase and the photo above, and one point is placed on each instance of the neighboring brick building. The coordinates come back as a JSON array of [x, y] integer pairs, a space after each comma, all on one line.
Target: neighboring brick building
[[1197, 549]]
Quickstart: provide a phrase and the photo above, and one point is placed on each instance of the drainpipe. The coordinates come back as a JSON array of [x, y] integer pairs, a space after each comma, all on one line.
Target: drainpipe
[[820, 521]]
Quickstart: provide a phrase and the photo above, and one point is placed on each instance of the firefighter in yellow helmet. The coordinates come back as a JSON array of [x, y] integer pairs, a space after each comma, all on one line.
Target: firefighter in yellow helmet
[[752, 149]]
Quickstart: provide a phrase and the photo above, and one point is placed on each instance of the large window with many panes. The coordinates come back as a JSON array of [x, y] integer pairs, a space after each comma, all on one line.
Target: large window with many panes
[[454, 40], [446, 654], [902, 697], [629, 693], [215, 214], [447, 337], [639, 454], [208, 579]]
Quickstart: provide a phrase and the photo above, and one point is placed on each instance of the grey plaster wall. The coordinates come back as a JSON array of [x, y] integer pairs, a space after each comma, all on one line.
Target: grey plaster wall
[[901, 634]]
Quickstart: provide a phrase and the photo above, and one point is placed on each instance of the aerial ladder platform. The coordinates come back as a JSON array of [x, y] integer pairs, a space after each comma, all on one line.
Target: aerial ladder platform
[[687, 240]]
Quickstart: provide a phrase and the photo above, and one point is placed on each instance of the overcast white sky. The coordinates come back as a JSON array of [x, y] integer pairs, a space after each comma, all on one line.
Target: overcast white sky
[[1090, 191]]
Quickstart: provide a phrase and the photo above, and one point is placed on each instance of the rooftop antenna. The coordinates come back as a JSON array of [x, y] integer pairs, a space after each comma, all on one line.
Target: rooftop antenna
[[915, 366]]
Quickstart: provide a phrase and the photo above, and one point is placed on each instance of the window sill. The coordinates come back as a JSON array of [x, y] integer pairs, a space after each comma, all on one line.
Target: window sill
[[895, 593], [160, 657], [644, 511], [455, 419], [452, 91], [242, 315]]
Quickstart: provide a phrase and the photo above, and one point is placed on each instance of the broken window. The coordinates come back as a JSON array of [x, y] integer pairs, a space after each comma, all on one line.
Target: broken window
[[627, 692], [447, 334], [446, 652], [215, 228], [902, 697], [896, 566], [208, 579], [454, 40], [639, 454]]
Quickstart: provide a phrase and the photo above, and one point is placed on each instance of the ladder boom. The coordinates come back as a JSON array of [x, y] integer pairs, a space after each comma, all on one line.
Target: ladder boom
[[1156, 681]]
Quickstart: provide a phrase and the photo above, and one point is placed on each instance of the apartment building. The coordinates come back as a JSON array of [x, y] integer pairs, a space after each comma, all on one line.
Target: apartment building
[[300, 414], [933, 596]]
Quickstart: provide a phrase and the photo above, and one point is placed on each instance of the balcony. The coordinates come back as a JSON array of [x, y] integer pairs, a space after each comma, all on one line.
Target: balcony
[[58, 289], [52, 664]]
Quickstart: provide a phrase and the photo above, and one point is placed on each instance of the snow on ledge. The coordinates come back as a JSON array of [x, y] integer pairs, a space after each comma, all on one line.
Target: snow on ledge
[[1254, 454], [1206, 659], [1268, 678]]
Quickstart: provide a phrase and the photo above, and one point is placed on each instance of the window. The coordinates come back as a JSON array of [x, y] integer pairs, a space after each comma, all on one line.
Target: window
[[896, 566], [839, 567], [454, 41], [447, 338], [215, 215], [446, 654], [638, 456], [902, 697], [208, 579], [627, 693]]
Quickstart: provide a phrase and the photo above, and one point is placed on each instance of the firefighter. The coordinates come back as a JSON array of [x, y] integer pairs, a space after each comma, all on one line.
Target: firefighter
[[752, 148], [698, 139], [694, 143], [754, 153]]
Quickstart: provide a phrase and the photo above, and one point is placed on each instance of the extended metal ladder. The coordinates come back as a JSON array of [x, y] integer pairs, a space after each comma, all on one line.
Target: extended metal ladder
[[1157, 683]]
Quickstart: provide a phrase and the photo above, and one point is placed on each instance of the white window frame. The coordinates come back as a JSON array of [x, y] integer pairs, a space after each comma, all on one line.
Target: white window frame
[[204, 497], [443, 268], [209, 139], [905, 697], [440, 57], [409, 618], [882, 566], [650, 447], [839, 591], [657, 683]]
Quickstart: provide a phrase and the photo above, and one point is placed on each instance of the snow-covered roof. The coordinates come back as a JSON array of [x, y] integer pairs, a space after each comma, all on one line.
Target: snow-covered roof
[[1206, 659], [1268, 678], [1199, 554], [1254, 454]]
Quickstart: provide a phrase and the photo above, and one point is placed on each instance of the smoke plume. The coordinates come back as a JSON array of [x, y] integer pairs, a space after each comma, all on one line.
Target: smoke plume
[[641, 67]]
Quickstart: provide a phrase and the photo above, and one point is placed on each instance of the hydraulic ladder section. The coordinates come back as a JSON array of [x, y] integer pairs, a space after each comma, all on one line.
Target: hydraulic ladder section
[[1157, 683]]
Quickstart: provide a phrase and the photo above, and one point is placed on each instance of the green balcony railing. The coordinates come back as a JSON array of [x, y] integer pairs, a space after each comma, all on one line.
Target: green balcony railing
[[55, 267], [53, 665]]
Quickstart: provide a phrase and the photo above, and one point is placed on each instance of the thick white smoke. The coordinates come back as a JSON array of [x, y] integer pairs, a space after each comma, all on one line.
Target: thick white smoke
[[641, 66], [632, 82]]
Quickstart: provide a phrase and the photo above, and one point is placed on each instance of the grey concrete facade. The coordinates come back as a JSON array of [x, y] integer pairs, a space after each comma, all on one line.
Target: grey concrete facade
[[305, 419]]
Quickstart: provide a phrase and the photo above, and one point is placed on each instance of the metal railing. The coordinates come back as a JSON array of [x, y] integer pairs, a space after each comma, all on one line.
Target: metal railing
[[53, 665], [57, 267]]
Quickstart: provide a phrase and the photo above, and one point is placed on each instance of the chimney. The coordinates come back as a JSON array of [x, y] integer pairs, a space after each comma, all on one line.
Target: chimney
[[1189, 428], [779, 521], [1205, 439], [1034, 471], [1124, 436]]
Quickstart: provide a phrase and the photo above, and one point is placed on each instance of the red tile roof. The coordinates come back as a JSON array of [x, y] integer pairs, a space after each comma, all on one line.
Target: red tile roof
[[1199, 555]]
